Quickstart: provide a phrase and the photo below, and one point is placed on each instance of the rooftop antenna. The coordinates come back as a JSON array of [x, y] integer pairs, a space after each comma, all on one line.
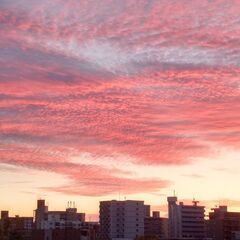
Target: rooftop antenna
[[195, 202]]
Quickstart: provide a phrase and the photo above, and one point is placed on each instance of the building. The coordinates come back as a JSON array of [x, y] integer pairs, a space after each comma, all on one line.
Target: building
[[156, 226], [40, 213], [69, 218], [122, 219], [15, 227], [62, 225], [223, 224], [90, 231], [236, 235], [147, 210], [185, 221], [85, 233]]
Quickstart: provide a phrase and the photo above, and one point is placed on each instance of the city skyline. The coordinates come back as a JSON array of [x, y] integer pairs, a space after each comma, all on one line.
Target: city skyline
[[106, 100], [124, 219]]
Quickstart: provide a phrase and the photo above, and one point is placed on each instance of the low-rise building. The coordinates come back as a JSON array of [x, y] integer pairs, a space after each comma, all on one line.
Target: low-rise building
[[155, 226], [16, 227]]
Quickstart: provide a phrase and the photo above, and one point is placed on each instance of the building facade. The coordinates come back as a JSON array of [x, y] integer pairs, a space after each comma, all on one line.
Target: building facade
[[62, 225], [155, 226], [122, 219], [186, 221], [224, 225], [15, 227]]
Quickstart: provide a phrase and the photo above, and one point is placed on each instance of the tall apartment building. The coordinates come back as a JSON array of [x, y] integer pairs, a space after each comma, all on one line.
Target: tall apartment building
[[122, 219], [185, 221], [224, 225]]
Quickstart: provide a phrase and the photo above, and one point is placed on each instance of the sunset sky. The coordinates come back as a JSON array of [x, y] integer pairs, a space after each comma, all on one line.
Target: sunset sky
[[115, 99]]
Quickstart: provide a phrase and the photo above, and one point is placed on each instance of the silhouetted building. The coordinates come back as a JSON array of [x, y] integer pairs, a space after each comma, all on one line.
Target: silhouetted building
[[185, 221], [57, 234], [224, 225], [85, 233], [4, 215], [156, 214], [16, 227], [147, 210], [121, 219], [156, 227]]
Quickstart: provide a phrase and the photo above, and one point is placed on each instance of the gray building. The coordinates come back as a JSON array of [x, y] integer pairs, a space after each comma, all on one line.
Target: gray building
[[185, 221], [122, 219]]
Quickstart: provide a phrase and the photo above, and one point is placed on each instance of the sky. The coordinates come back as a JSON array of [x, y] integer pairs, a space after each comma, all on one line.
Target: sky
[[119, 99]]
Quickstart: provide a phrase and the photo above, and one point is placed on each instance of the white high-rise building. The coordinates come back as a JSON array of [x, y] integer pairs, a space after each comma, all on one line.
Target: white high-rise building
[[122, 219]]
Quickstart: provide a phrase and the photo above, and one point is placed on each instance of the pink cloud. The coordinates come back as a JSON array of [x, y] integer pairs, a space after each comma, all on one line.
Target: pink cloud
[[106, 79]]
